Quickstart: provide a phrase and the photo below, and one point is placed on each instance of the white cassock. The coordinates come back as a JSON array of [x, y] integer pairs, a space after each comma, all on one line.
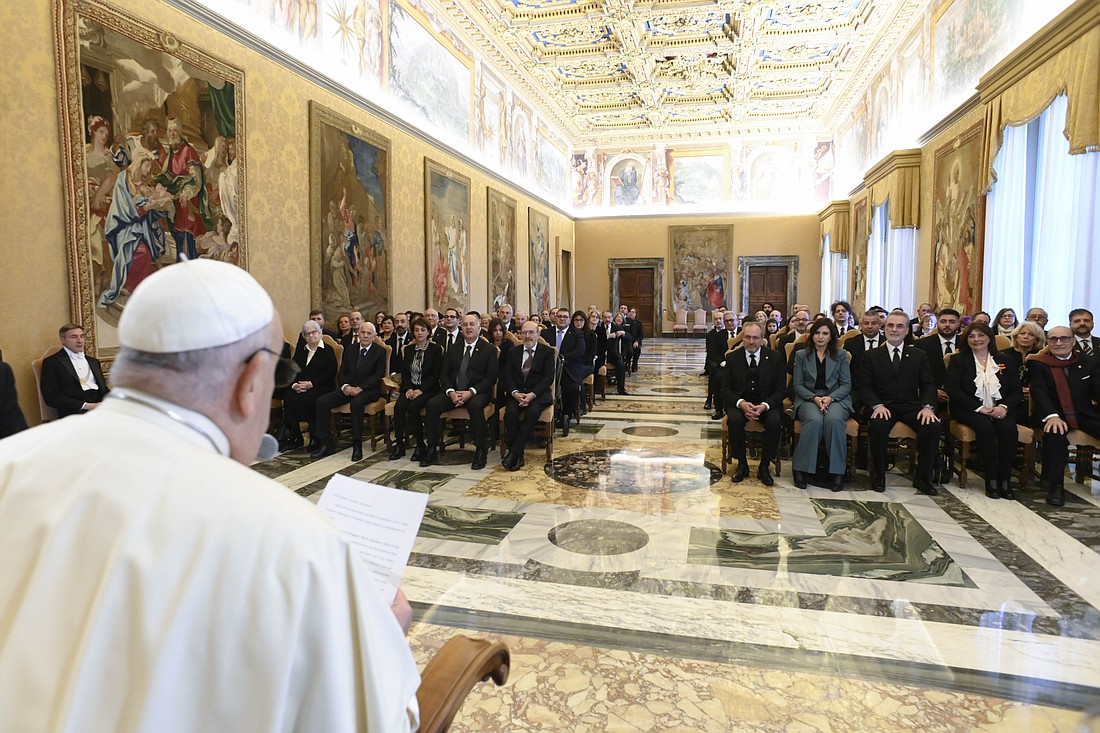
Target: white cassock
[[151, 584]]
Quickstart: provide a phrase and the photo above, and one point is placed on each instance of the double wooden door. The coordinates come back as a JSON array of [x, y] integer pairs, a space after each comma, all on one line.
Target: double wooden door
[[636, 289], [767, 284]]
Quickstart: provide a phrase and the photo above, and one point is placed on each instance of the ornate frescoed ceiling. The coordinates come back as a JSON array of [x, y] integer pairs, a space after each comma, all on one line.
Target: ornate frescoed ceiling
[[620, 72]]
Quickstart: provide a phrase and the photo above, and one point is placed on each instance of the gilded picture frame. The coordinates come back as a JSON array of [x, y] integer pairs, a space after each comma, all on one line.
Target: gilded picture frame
[[350, 248], [146, 118], [446, 237], [958, 222], [701, 260], [501, 236]]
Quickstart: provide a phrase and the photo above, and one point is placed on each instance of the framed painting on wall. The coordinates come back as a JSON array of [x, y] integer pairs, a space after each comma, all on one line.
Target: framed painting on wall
[[538, 237], [701, 261], [502, 249], [349, 215], [153, 145], [446, 237], [958, 223]]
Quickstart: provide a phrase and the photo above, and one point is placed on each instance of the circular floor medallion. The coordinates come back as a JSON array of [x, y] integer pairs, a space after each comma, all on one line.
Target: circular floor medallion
[[633, 471], [651, 431], [598, 537]]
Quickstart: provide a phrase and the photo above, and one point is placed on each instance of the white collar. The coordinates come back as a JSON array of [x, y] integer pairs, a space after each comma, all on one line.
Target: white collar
[[149, 407], [945, 340], [73, 354]]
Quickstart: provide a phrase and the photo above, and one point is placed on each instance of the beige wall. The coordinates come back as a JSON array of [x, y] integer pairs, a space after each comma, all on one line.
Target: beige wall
[[34, 284], [598, 240]]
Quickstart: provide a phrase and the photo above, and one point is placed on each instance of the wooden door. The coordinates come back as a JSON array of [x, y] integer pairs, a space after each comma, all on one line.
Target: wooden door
[[767, 284], [636, 289]]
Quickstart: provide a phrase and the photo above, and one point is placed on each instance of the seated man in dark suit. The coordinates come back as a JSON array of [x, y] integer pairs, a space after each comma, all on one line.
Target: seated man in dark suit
[[399, 337], [938, 345], [352, 336], [612, 334], [870, 337], [11, 417], [1065, 385], [72, 382], [717, 343], [470, 370], [359, 382], [528, 379], [896, 385], [570, 344], [1080, 320], [755, 383]]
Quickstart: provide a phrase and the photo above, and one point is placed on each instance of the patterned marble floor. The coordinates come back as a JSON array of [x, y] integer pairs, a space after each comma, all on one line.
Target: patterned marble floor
[[691, 603]]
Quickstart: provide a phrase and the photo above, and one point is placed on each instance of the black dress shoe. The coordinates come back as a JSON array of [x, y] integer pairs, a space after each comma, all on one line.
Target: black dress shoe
[[741, 473], [565, 426], [398, 450], [765, 476], [1004, 488], [878, 482], [991, 490], [925, 487], [326, 449], [1056, 493], [418, 452], [431, 457], [479, 459], [517, 462], [838, 482], [708, 406], [799, 478], [716, 416], [357, 452], [313, 445]]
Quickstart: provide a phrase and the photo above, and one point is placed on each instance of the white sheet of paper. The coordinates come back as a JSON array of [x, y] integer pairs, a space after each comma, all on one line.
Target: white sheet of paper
[[378, 521]]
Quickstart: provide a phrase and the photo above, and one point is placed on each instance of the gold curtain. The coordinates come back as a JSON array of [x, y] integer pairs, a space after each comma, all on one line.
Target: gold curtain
[[1062, 58], [835, 220], [897, 178]]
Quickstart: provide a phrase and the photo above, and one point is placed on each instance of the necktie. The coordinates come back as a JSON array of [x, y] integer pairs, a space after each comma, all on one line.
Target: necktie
[[947, 348], [526, 366], [870, 344], [561, 335], [897, 357], [752, 361], [450, 340], [461, 382], [362, 353], [1086, 346]]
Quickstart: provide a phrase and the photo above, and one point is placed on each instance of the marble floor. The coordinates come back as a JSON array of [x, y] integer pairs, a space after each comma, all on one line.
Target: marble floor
[[640, 590]]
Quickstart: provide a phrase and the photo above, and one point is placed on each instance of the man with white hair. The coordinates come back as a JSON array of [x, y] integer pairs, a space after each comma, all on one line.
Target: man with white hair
[[161, 584]]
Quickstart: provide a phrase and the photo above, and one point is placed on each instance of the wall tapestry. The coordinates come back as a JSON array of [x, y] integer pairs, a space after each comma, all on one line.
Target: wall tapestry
[[502, 249], [958, 223], [538, 235], [349, 215], [701, 262], [153, 147], [447, 237]]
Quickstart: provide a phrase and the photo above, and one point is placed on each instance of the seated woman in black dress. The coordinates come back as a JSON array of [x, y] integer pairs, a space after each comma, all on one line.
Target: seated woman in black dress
[[421, 363], [581, 323], [1028, 338], [497, 337], [983, 393], [317, 361]]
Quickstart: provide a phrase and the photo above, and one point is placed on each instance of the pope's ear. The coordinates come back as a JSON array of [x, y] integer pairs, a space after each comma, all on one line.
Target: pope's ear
[[249, 383]]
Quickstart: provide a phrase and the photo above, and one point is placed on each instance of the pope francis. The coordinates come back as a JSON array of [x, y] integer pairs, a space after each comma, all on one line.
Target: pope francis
[[152, 581]]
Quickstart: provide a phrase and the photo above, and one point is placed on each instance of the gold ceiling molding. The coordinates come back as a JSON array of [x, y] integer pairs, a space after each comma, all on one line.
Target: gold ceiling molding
[[621, 72], [836, 222], [897, 178], [1062, 58]]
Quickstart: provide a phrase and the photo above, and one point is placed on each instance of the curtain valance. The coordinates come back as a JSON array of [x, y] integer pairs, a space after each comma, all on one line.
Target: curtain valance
[[897, 177], [835, 219]]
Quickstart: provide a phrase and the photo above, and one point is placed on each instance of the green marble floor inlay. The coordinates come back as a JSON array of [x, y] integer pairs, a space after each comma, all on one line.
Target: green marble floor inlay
[[872, 540], [483, 526], [424, 482]]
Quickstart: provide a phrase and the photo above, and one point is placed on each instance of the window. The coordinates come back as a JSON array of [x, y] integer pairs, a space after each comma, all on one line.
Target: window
[[891, 262], [834, 275]]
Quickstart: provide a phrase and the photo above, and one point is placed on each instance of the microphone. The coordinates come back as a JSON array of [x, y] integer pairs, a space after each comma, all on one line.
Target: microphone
[[269, 448]]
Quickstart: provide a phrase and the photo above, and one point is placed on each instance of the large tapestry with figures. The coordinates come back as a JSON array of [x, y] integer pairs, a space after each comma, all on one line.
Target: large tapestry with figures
[[958, 223], [701, 261]]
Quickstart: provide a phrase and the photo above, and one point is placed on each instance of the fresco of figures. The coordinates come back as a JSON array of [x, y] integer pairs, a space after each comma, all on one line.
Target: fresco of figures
[[958, 223], [701, 263], [154, 145], [502, 249], [538, 238], [447, 237], [349, 199]]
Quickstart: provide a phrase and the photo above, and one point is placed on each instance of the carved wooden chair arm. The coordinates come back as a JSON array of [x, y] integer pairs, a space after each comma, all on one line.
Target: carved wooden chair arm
[[451, 674]]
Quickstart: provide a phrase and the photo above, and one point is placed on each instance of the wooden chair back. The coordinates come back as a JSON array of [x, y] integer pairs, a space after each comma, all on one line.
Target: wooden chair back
[[47, 413]]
